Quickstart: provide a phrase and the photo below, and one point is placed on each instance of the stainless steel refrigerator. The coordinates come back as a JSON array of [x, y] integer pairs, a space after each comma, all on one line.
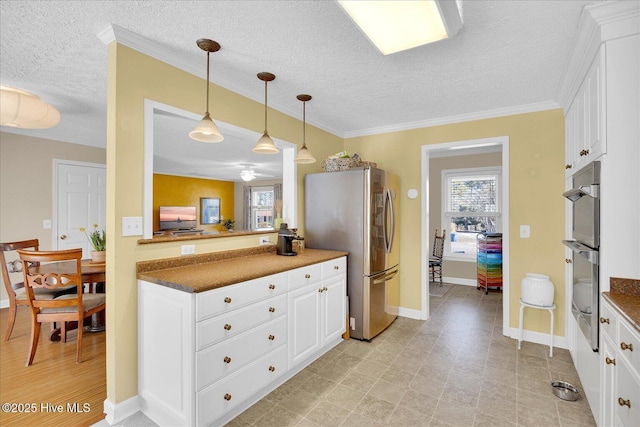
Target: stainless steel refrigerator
[[357, 211]]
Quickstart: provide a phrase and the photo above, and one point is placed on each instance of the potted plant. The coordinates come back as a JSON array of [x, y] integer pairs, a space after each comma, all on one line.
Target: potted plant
[[228, 224], [98, 240]]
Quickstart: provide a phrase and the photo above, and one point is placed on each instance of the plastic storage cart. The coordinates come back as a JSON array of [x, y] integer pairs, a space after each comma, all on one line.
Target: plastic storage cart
[[489, 261]]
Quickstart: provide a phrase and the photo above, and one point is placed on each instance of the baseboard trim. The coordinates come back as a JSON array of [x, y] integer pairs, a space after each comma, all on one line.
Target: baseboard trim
[[117, 412], [410, 313], [539, 338]]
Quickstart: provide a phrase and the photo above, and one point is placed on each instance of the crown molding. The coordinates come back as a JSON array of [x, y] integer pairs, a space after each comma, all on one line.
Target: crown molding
[[480, 115], [598, 24]]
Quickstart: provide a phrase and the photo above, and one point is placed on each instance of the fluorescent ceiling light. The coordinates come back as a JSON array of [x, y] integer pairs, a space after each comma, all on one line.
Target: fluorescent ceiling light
[[394, 26]]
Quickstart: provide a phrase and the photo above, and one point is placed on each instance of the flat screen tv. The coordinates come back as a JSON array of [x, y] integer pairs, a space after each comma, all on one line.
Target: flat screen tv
[[177, 217]]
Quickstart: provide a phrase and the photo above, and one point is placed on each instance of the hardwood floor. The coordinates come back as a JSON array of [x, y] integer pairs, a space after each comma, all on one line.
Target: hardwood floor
[[56, 390]]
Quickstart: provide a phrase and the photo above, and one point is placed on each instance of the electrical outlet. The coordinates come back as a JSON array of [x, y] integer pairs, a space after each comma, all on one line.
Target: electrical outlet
[[352, 323], [264, 241], [525, 231], [187, 249], [46, 224]]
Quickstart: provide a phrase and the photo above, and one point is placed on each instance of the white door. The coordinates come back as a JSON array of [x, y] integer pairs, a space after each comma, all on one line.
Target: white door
[[79, 201]]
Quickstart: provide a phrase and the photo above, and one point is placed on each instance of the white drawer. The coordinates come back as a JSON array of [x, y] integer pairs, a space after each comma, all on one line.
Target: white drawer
[[227, 325], [627, 399], [218, 399], [223, 300], [234, 354], [608, 321], [334, 267], [304, 276], [628, 340]]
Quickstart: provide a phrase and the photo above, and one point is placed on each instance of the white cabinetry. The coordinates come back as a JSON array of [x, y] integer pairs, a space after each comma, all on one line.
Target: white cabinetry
[[585, 120], [621, 370], [317, 308], [206, 357]]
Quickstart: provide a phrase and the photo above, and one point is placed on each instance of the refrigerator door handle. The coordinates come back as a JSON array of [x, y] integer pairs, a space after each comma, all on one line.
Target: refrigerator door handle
[[388, 210], [386, 277]]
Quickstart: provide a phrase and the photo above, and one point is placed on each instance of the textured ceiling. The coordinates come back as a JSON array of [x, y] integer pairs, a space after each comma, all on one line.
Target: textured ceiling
[[509, 57]]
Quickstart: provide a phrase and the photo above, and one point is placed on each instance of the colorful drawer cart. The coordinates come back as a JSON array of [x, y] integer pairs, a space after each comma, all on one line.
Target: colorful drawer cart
[[489, 261]]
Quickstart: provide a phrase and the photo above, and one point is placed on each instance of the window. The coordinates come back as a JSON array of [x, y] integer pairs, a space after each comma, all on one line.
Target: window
[[262, 208], [470, 205]]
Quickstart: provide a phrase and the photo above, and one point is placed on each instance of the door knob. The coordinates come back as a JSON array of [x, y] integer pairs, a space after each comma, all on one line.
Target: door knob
[[64, 236]]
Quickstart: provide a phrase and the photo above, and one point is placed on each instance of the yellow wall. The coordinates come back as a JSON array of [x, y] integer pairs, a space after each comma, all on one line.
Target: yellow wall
[[132, 77], [536, 180], [170, 190]]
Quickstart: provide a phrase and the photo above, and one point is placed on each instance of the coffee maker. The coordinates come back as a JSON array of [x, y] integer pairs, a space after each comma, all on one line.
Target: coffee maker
[[285, 240]]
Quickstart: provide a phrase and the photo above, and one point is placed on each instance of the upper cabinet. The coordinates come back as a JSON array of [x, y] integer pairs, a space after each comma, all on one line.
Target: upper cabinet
[[585, 120]]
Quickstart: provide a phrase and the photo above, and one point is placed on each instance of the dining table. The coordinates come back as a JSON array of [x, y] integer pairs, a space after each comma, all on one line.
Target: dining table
[[93, 275]]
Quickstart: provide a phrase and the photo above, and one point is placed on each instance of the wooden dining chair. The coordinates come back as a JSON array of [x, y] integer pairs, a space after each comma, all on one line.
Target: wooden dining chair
[[435, 260], [66, 308], [16, 291]]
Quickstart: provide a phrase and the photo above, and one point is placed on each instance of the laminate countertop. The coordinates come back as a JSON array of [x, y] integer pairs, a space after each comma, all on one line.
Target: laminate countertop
[[200, 273], [625, 298]]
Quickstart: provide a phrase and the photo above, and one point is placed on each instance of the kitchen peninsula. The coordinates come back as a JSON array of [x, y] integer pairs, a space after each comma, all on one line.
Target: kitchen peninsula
[[219, 331]]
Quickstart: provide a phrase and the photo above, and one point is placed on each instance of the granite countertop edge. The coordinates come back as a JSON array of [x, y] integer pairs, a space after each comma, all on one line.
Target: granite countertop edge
[[624, 296], [212, 271]]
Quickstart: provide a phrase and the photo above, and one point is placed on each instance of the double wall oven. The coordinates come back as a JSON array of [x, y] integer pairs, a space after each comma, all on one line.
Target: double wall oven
[[585, 198]]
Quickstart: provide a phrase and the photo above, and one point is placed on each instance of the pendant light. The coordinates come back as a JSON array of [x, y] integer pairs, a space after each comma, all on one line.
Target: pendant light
[[21, 109], [265, 144], [304, 155], [206, 130]]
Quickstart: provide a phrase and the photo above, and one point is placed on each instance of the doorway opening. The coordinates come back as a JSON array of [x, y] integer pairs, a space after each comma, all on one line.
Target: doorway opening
[[460, 155]]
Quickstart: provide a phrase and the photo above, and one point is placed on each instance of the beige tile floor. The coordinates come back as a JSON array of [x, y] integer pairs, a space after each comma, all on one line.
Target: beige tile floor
[[455, 369]]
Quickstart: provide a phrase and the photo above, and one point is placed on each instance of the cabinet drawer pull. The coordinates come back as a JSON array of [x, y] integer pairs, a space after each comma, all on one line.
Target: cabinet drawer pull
[[568, 261], [272, 310], [227, 359], [336, 267], [610, 361], [272, 286], [307, 276], [604, 320], [320, 290], [623, 402], [272, 368], [227, 396], [625, 346], [568, 166], [227, 300], [271, 337], [227, 327], [325, 289]]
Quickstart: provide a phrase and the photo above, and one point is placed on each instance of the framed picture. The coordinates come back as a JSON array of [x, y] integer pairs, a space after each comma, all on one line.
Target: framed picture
[[209, 210]]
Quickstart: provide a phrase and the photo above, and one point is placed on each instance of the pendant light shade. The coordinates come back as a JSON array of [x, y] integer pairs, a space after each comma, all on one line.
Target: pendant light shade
[[21, 109], [206, 130], [304, 156], [265, 144]]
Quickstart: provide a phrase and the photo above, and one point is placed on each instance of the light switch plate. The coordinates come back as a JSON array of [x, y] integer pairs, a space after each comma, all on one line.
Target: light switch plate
[[131, 226], [525, 231], [46, 224]]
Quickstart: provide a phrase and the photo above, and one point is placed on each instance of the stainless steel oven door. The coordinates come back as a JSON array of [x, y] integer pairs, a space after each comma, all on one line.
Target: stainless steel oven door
[[586, 290]]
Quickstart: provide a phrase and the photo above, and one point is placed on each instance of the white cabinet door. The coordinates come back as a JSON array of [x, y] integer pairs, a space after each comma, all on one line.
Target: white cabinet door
[[304, 324], [333, 308], [608, 380], [627, 398]]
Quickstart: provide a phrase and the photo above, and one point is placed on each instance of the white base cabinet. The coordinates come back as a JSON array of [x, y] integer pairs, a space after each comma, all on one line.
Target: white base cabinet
[[206, 357], [621, 370]]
